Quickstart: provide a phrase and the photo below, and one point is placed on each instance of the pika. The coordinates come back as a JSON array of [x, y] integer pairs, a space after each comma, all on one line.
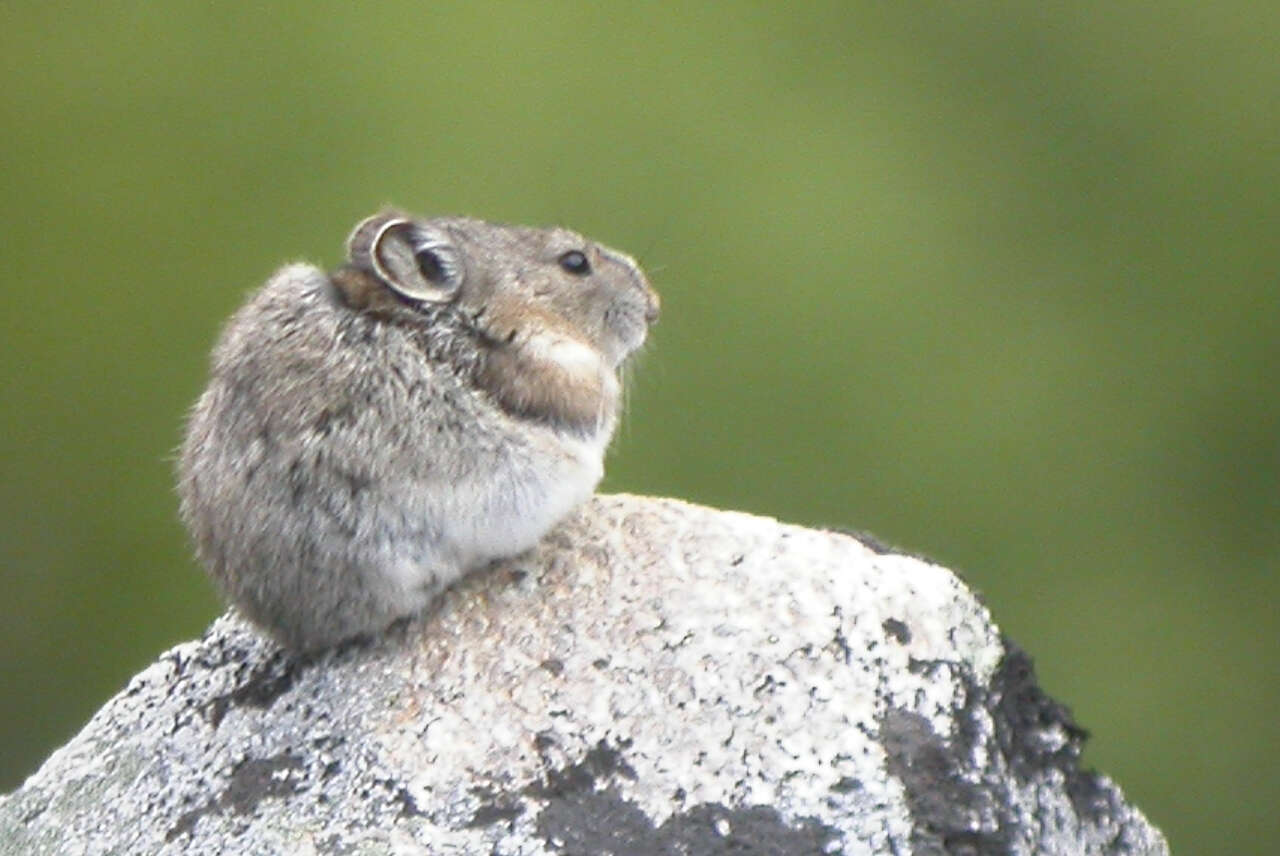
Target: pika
[[439, 401]]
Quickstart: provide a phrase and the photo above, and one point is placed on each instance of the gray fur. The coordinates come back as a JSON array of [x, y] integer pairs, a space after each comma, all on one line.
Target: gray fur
[[356, 451]]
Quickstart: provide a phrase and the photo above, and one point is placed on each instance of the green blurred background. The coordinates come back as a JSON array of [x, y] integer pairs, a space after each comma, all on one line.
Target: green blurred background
[[996, 281]]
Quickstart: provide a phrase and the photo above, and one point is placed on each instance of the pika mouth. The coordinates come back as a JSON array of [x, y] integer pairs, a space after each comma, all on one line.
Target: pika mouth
[[630, 325]]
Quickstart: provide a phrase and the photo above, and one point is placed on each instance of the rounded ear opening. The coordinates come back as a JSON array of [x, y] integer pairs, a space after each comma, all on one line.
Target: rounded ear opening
[[410, 260]]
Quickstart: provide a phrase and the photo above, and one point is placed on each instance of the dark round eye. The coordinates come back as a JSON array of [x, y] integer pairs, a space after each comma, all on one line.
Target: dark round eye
[[431, 266], [575, 263]]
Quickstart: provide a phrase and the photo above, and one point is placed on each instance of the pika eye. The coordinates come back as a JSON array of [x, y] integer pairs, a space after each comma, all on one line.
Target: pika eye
[[576, 263], [431, 266]]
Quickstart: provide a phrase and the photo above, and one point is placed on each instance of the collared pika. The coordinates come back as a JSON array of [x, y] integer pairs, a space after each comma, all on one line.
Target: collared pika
[[372, 434]]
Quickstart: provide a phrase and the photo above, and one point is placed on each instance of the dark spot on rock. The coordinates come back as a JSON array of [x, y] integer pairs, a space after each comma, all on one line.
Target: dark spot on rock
[[1037, 734], [751, 830], [490, 813], [408, 805], [839, 642], [765, 687], [944, 802], [266, 683], [599, 764], [897, 629], [597, 822], [679, 643], [187, 823], [846, 785], [543, 741], [258, 778], [555, 668], [601, 663], [251, 782], [583, 814], [34, 812], [1026, 713], [926, 666], [959, 809], [591, 822]]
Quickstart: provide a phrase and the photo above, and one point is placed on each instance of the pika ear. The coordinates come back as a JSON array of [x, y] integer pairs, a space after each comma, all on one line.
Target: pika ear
[[412, 259]]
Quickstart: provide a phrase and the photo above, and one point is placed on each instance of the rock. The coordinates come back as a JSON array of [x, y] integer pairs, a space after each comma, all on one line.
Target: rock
[[655, 678]]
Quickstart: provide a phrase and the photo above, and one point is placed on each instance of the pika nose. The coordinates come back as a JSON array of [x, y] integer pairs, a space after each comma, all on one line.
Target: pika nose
[[652, 305]]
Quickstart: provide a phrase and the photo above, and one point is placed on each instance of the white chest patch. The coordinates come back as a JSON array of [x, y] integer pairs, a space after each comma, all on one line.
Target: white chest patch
[[495, 516], [514, 516]]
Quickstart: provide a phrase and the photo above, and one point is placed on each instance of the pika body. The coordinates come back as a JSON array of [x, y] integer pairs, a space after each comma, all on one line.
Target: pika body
[[369, 435]]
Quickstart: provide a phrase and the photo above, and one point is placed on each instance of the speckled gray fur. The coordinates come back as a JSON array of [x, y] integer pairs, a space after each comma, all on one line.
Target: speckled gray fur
[[368, 436], [654, 678]]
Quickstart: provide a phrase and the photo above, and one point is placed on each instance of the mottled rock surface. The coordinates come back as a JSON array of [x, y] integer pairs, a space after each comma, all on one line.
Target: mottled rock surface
[[655, 678]]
